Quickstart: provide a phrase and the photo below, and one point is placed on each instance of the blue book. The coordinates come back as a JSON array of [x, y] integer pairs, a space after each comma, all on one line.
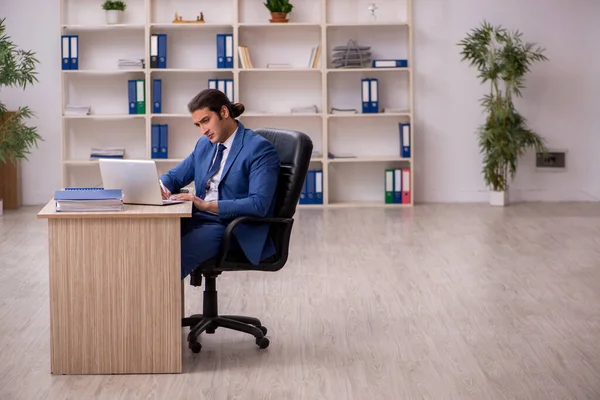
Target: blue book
[[220, 50], [154, 141], [88, 194], [404, 140], [132, 96], [229, 50], [310, 187], [389, 63], [163, 141], [66, 52], [162, 50], [74, 51], [374, 95], [157, 96], [366, 95]]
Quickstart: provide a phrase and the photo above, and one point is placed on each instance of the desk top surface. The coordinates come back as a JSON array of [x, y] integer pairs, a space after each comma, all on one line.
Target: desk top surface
[[130, 211]]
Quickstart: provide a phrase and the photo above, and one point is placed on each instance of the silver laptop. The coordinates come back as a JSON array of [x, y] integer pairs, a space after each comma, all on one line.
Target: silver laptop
[[138, 179]]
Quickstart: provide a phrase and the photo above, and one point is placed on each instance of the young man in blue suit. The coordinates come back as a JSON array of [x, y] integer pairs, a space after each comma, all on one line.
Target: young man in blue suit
[[235, 172]]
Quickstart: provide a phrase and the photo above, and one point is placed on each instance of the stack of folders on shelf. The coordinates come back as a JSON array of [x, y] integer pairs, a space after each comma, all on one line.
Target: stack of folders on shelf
[[132, 63], [109, 152], [158, 50], [159, 141], [401, 63], [136, 89], [88, 200], [370, 95], [224, 85], [70, 52], [245, 57], [312, 190], [397, 186], [224, 50]]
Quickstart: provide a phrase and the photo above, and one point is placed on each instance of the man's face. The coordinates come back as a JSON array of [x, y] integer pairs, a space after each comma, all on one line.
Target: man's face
[[209, 123]]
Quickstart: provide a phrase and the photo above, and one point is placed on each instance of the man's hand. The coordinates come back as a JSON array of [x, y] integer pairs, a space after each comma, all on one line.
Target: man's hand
[[201, 205], [164, 191]]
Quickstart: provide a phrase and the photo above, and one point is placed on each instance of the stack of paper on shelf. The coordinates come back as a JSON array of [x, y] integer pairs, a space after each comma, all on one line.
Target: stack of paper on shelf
[[131, 63], [343, 110], [305, 110], [109, 152], [72, 109], [88, 200]]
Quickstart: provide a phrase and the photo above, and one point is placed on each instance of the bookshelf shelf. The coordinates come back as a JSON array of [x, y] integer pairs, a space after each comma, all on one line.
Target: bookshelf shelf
[[282, 83], [104, 71], [368, 159], [81, 28], [105, 116]]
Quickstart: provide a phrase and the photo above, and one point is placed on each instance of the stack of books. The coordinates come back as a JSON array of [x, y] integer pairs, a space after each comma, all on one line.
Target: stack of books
[[88, 200]]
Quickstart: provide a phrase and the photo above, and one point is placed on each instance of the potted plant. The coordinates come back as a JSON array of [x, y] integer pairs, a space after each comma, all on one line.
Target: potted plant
[[279, 10], [502, 58], [17, 69], [114, 10]]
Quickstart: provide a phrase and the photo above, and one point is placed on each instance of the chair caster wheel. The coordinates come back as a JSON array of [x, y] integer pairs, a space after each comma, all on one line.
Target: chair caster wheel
[[263, 329], [195, 347], [263, 342]]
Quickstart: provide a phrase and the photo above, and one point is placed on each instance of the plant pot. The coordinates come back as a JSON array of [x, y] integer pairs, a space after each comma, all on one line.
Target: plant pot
[[498, 198], [278, 17], [113, 16]]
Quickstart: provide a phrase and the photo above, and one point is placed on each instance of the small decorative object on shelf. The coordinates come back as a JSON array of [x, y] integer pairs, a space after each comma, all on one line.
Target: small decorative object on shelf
[[279, 10], [179, 19], [114, 10], [351, 56], [373, 7]]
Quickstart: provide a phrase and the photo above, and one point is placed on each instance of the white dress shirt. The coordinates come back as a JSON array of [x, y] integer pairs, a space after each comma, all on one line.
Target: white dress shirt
[[212, 194]]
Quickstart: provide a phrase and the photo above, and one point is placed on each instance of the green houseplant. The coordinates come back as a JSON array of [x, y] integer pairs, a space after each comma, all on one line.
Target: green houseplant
[[114, 10], [17, 69], [279, 10], [502, 58]]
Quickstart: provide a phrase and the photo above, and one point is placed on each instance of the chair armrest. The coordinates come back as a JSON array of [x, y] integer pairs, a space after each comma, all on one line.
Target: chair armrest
[[225, 244]]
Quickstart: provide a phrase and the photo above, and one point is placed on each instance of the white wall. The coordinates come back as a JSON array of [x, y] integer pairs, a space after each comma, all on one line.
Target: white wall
[[34, 25], [560, 100]]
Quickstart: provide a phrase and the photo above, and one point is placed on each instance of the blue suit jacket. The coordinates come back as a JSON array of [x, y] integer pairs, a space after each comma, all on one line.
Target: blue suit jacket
[[248, 185]]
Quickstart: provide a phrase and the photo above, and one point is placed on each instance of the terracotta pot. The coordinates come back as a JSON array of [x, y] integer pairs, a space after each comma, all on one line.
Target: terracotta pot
[[278, 17]]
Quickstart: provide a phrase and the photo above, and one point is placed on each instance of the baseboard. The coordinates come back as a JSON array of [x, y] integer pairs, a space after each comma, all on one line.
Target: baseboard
[[515, 196]]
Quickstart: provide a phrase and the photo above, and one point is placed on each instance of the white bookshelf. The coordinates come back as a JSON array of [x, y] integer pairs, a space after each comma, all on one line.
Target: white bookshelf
[[268, 94]]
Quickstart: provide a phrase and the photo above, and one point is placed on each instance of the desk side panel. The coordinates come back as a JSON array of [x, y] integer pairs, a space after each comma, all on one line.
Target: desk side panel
[[115, 296]]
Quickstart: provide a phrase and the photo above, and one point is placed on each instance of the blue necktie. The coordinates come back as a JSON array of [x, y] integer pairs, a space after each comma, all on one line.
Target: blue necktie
[[215, 167]]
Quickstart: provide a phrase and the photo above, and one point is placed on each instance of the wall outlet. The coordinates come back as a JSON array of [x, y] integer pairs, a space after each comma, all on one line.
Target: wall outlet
[[554, 160]]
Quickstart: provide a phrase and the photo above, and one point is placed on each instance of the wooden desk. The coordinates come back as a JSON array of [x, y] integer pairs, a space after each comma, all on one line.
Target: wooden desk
[[115, 290]]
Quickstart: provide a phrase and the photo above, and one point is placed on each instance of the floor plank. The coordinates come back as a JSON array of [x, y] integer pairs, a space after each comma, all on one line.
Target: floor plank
[[458, 301]]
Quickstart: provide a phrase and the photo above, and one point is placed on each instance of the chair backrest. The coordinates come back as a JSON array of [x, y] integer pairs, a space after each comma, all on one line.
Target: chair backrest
[[294, 149]]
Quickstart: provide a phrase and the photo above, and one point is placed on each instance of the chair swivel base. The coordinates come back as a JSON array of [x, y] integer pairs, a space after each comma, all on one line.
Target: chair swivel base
[[210, 320], [200, 324]]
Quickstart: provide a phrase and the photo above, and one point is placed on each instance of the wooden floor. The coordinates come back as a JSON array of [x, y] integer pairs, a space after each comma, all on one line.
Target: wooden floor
[[437, 302]]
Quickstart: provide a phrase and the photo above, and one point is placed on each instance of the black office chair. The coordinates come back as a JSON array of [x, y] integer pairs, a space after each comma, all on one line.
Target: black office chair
[[294, 149]]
